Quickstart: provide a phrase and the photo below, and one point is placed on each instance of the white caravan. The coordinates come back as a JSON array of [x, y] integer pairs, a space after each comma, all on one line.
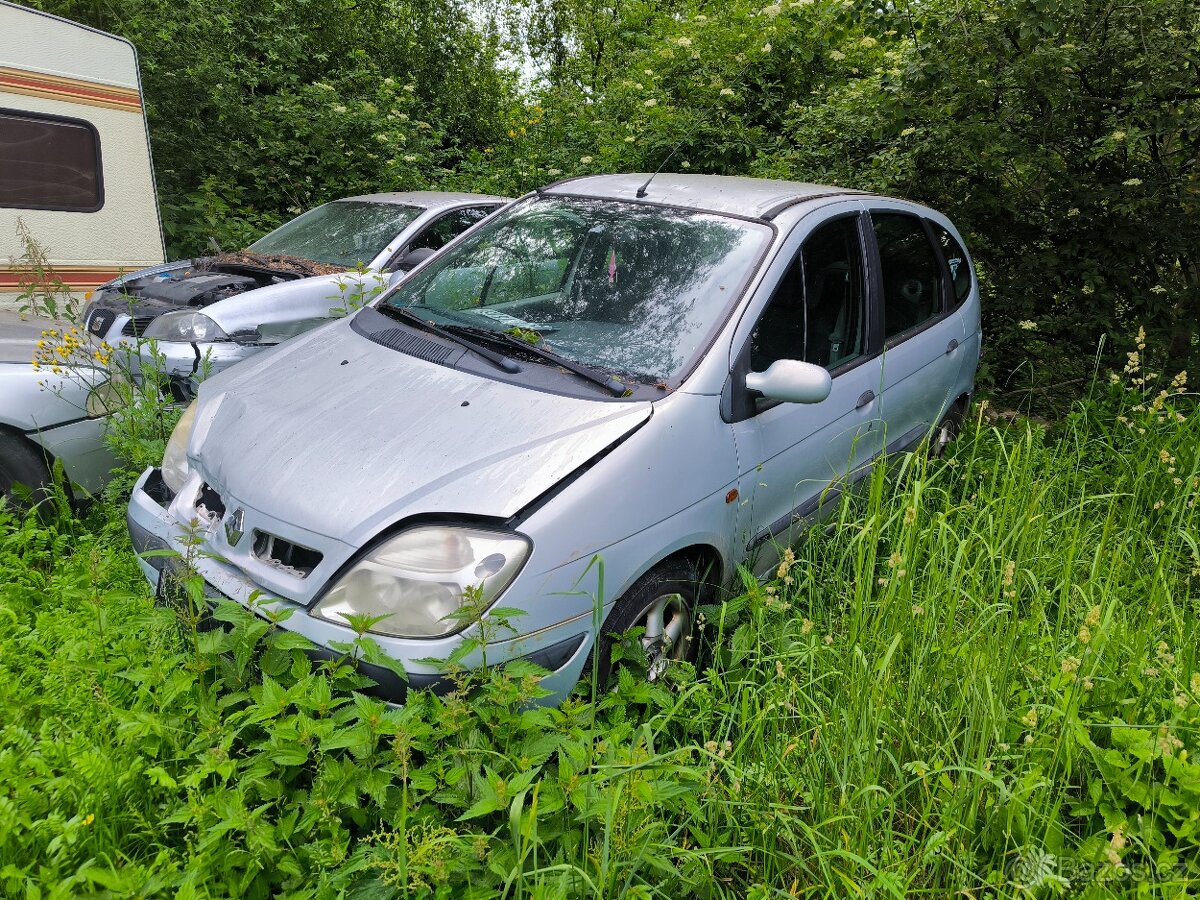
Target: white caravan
[[74, 153]]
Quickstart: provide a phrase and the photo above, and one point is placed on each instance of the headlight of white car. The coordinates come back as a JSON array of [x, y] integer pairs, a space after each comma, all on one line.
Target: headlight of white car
[[184, 325], [422, 575], [108, 396], [175, 468]]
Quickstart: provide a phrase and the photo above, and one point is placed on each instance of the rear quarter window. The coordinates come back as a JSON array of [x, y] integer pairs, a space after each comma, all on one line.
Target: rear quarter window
[[956, 262]]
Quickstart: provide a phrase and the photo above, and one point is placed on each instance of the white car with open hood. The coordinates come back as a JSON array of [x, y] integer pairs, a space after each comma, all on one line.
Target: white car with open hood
[[207, 313]]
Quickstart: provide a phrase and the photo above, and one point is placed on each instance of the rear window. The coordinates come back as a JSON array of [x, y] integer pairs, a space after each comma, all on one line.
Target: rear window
[[48, 162]]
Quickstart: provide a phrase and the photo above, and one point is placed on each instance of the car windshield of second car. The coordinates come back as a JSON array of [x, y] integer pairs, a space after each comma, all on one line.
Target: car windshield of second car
[[344, 233], [632, 289]]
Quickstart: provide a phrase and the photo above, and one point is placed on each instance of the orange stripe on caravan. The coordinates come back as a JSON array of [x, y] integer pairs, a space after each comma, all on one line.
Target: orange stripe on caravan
[[75, 277], [72, 90]]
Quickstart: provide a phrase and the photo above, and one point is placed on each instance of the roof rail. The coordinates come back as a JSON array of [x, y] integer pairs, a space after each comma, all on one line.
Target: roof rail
[[792, 201]]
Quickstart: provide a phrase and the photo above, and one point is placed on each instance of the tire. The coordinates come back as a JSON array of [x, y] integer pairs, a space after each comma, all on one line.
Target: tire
[[22, 463], [947, 431], [664, 602]]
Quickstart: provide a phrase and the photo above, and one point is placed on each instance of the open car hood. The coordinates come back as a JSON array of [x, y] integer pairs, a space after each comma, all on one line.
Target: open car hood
[[340, 436]]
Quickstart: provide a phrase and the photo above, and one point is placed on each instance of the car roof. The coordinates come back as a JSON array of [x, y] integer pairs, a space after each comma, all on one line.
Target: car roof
[[751, 197], [428, 199]]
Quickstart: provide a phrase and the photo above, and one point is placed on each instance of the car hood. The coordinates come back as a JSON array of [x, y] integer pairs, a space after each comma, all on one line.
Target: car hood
[[342, 437]]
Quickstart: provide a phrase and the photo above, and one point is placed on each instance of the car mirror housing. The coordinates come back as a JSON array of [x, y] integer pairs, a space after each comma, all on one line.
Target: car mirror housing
[[791, 381], [413, 258]]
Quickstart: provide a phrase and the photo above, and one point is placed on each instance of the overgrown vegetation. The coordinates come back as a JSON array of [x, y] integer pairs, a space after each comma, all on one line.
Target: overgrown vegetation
[[1062, 137], [982, 675], [981, 678]]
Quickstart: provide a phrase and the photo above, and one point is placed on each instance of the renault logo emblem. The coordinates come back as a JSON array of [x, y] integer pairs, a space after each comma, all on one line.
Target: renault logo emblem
[[233, 526]]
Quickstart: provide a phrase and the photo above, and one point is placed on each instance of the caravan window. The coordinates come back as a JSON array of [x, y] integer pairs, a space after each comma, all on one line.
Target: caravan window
[[49, 162]]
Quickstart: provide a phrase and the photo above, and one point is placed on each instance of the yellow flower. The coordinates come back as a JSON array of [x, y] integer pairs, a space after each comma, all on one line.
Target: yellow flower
[[1030, 719], [89, 819], [1085, 635]]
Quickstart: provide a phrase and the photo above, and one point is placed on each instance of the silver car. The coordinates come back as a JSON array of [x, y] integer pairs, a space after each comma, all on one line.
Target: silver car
[[673, 376], [47, 416], [212, 312]]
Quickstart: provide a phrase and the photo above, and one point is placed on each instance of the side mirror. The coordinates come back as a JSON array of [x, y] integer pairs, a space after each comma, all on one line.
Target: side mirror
[[791, 381], [413, 258]]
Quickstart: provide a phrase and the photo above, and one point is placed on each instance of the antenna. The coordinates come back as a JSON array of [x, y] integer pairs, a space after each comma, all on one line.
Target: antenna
[[705, 113], [641, 192]]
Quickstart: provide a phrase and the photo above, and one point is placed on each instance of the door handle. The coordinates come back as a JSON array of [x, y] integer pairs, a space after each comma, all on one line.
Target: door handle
[[952, 346], [866, 398]]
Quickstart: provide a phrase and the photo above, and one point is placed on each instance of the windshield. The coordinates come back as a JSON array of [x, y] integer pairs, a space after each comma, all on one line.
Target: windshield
[[344, 233], [626, 287]]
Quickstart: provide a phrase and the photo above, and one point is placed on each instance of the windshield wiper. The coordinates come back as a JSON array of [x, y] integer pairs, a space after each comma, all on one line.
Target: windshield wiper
[[404, 314], [592, 374]]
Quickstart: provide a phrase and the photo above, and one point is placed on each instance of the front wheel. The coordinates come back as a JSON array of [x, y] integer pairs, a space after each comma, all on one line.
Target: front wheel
[[662, 603], [22, 464]]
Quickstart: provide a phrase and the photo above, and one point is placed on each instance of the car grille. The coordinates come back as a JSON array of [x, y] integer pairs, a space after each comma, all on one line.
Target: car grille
[[100, 321], [135, 326], [284, 554]]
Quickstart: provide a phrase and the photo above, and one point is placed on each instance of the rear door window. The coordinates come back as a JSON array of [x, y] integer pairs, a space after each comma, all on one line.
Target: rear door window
[[49, 162], [910, 270]]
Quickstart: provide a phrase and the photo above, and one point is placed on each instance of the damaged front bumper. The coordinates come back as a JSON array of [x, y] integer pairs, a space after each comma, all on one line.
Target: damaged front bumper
[[189, 360], [161, 541]]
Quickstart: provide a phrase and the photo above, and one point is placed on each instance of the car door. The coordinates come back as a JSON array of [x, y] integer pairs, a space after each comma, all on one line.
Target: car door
[[923, 333], [793, 458]]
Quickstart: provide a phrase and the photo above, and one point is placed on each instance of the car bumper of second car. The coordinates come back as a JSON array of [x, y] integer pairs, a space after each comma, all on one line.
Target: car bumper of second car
[[161, 541], [174, 359], [182, 359]]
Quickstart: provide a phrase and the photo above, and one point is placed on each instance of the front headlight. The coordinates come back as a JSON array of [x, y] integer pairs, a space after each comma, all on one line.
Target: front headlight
[[184, 325], [108, 396], [423, 575], [175, 468]]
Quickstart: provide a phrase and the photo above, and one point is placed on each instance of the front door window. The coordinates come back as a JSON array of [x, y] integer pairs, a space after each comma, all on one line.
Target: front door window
[[818, 313]]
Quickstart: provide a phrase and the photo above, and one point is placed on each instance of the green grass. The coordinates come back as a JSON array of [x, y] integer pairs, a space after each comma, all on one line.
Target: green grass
[[983, 675]]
